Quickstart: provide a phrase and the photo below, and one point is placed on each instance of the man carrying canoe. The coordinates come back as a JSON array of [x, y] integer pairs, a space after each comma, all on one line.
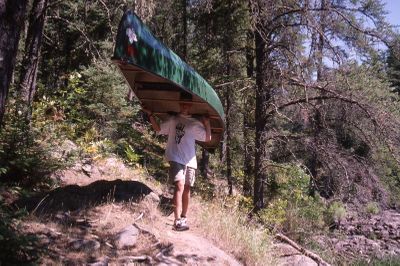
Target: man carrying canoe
[[182, 131]]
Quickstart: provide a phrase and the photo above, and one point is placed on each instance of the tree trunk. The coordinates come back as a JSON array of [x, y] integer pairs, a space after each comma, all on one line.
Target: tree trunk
[[247, 157], [250, 54], [184, 29], [261, 98], [228, 138], [317, 121], [247, 148], [12, 20], [27, 86], [204, 162]]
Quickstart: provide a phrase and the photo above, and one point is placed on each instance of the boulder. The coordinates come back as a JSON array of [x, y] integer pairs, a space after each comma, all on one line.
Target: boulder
[[84, 245], [127, 237], [103, 261]]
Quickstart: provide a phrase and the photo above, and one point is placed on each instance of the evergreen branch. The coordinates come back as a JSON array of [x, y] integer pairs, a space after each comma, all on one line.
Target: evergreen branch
[[370, 33], [109, 20], [73, 25]]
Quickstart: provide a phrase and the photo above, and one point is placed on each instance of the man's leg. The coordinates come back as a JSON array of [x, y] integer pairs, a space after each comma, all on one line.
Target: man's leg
[[178, 192], [185, 199], [189, 182], [177, 176]]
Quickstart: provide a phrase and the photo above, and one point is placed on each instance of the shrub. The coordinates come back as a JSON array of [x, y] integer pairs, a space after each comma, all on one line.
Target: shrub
[[335, 213], [292, 209], [23, 158], [16, 249], [372, 208], [275, 214], [131, 157]]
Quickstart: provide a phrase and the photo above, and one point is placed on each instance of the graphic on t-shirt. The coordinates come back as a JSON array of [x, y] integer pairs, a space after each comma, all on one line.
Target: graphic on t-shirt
[[180, 132]]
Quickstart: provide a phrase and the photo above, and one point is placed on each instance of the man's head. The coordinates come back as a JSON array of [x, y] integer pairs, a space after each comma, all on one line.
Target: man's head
[[185, 107]]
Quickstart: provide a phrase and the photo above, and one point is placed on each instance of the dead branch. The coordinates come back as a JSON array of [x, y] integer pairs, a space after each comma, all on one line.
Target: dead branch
[[306, 252], [232, 82]]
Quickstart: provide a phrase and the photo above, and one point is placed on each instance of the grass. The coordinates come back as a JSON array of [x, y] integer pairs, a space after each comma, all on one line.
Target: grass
[[229, 228]]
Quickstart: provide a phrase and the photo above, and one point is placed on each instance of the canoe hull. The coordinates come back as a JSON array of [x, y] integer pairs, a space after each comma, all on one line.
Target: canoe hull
[[161, 80]]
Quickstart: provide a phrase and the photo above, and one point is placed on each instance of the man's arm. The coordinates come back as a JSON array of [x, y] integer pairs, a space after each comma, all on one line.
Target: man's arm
[[206, 124], [153, 121]]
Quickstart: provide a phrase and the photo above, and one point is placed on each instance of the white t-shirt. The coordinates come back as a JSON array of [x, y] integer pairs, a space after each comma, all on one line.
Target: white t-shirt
[[182, 131]]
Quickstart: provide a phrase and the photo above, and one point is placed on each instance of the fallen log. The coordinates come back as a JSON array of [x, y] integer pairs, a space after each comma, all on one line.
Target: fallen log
[[304, 251]]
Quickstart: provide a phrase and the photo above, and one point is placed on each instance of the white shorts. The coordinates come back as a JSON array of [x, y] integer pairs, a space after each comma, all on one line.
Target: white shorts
[[179, 172]]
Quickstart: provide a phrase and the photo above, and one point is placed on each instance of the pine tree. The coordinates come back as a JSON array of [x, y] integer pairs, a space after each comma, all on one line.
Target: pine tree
[[394, 71], [12, 21], [30, 63]]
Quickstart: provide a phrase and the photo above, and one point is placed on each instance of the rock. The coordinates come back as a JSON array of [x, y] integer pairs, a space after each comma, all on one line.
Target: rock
[[87, 169], [127, 237], [103, 261], [298, 260], [152, 197], [284, 250], [43, 240], [351, 229], [133, 259], [64, 150], [52, 233], [288, 255], [84, 244]]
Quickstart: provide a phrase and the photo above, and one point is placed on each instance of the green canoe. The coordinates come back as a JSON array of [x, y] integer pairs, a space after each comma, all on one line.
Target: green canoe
[[160, 79]]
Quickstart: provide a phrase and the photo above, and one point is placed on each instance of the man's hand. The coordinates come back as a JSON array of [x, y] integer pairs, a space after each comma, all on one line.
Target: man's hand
[[153, 122]]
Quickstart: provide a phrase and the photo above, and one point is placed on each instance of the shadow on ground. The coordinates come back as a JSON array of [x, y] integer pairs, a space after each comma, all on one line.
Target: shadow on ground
[[74, 197]]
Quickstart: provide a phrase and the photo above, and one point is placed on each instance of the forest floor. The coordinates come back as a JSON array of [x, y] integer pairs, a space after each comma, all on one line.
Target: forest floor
[[96, 218]]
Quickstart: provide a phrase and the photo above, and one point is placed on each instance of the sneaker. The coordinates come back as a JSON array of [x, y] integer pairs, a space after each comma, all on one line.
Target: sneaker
[[181, 224], [184, 222]]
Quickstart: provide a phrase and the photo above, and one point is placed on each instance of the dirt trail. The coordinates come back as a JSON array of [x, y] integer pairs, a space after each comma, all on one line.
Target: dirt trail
[[78, 223], [189, 248]]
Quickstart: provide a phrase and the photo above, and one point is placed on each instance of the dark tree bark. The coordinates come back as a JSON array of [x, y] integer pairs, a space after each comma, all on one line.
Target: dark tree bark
[[247, 157], [250, 54], [204, 163], [262, 98], [228, 131], [27, 86], [184, 29], [12, 20], [247, 147], [317, 120], [228, 39]]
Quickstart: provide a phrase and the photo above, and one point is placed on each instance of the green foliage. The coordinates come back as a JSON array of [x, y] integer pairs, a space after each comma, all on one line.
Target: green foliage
[[292, 209], [389, 172], [246, 203], [204, 188], [393, 72], [132, 157], [91, 108], [335, 213], [22, 157], [372, 208], [16, 248], [275, 215]]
